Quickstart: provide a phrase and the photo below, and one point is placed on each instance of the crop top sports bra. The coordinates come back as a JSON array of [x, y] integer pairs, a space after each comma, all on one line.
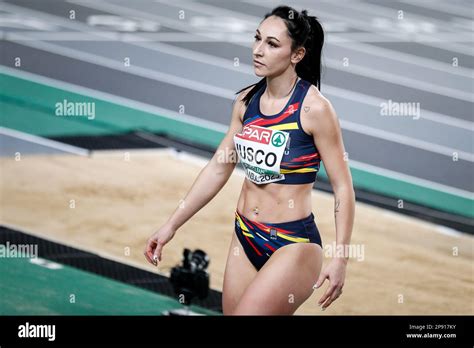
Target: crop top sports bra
[[275, 148]]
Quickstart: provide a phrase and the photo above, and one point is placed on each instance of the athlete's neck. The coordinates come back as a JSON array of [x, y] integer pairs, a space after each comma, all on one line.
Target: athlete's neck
[[279, 87]]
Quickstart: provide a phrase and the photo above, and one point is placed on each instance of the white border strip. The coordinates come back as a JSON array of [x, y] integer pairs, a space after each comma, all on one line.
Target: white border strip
[[44, 141], [411, 179]]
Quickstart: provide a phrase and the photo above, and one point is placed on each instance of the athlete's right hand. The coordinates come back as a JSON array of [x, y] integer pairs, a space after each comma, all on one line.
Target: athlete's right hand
[[155, 243]]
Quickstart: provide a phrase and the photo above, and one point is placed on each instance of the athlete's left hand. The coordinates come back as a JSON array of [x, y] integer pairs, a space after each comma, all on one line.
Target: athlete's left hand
[[336, 273]]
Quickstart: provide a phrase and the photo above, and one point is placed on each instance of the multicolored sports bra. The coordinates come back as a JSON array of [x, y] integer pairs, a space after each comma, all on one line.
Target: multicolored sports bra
[[275, 148]]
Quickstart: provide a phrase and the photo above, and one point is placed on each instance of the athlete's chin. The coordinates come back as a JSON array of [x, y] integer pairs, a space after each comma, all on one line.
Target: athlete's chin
[[259, 72]]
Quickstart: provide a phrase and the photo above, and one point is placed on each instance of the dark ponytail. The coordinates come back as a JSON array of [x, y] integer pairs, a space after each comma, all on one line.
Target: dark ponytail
[[304, 31]]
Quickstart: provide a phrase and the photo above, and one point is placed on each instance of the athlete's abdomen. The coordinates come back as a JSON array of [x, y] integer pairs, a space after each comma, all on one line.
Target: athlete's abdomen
[[275, 202]]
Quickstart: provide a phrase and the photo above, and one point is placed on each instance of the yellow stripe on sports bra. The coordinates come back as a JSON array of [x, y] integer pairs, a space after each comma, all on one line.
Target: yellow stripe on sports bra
[[285, 126], [301, 170]]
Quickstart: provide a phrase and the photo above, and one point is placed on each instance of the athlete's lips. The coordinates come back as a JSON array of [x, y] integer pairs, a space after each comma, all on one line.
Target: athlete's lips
[[257, 62]]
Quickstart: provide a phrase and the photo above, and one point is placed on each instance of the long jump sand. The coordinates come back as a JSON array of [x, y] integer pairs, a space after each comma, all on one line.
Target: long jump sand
[[111, 202]]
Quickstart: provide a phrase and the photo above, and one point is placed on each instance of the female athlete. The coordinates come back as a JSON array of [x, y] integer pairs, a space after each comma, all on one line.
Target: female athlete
[[281, 129]]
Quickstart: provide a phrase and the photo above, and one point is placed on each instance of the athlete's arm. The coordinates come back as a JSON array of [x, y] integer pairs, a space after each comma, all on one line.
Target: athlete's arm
[[321, 121], [215, 174], [208, 183]]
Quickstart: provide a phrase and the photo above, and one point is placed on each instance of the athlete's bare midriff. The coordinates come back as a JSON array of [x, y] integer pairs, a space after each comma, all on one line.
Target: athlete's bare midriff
[[274, 203]]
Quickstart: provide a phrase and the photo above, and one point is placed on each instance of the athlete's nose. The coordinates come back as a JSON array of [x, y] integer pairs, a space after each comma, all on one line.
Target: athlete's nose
[[257, 52]]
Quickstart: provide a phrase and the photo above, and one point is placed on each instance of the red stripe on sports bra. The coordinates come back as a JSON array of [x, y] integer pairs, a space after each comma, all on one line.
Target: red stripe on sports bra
[[305, 157], [288, 112], [298, 165]]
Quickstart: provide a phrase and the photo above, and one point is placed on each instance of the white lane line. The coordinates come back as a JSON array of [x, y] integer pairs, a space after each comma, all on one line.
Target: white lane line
[[247, 69], [408, 59], [359, 70], [403, 57], [401, 139], [390, 53], [114, 153], [157, 40], [375, 37], [111, 36], [118, 65], [96, 94], [363, 25], [359, 46], [379, 11], [44, 141], [97, 35], [361, 6], [392, 14], [401, 80], [187, 37], [451, 8], [448, 121], [94, 59], [197, 36]]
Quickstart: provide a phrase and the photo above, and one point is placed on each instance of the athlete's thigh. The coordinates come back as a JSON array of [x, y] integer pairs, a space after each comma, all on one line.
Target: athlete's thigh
[[239, 273], [284, 282]]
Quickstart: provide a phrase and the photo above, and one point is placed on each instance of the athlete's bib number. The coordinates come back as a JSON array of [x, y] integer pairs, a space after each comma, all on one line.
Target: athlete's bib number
[[260, 150]]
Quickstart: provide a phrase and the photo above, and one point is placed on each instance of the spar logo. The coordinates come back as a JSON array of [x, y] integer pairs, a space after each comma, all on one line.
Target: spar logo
[[278, 139], [257, 134]]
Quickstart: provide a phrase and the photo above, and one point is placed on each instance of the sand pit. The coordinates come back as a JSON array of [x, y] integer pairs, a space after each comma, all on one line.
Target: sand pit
[[111, 202]]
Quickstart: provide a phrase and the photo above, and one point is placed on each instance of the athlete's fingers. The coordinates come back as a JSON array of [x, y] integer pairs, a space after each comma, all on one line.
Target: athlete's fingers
[[157, 253], [327, 294], [150, 246], [326, 304], [321, 279], [336, 293], [148, 257]]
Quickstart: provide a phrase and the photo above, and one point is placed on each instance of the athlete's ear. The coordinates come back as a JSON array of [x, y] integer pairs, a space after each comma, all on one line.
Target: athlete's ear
[[298, 55]]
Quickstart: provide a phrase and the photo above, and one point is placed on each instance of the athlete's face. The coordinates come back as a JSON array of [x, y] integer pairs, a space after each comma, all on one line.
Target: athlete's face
[[272, 48]]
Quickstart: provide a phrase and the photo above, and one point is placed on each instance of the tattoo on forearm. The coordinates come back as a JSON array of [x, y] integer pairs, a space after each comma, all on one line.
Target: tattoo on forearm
[[336, 208]]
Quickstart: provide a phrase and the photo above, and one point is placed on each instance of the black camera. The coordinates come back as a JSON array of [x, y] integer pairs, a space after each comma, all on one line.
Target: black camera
[[191, 278]]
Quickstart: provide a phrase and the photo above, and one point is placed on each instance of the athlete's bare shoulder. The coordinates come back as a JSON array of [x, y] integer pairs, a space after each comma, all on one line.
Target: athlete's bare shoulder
[[315, 106], [315, 99]]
